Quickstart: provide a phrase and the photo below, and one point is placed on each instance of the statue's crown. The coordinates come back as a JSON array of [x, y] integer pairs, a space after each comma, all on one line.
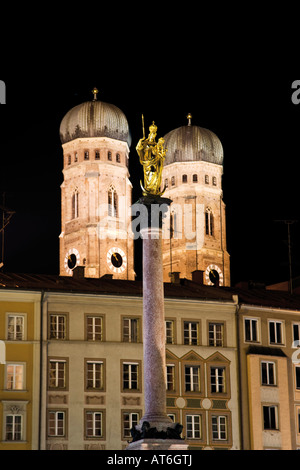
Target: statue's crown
[[153, 128]]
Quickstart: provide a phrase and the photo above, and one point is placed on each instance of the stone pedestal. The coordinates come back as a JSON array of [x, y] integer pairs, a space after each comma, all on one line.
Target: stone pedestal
[[155, 430], [158, 444]]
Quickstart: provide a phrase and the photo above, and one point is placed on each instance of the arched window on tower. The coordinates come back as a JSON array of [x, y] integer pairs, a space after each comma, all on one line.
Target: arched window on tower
[[209, 222], [112, 202], [75, 204]]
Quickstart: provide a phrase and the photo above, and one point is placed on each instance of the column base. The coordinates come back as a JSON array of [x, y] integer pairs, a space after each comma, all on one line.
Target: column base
[[158, 444]]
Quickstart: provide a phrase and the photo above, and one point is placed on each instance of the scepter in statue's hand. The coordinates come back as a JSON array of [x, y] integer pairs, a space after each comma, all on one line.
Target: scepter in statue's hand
[[143, 124]]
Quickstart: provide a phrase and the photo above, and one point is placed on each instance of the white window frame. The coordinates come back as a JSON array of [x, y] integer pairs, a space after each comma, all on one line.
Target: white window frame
[[15, 337], [191, 431], [187, 328], [56, 372], [170, 328], [94, 374], [213, 334], [170, 374], [14, 408], [130, 381], [94, 414], [191, 372], [14, 365], [252, 319], [133, 419], [56, 427], [268, 364], [282, 332], [219, 427], [128, 326], [295, 345], [59, 335], [275, 407], [94, 326], [220, 387]]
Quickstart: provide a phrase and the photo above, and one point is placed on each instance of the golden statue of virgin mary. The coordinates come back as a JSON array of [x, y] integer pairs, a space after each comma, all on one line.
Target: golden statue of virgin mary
[[152, 155]]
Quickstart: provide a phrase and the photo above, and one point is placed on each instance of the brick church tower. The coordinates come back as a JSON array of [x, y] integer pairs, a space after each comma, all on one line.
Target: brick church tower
[[195, 239], [96, 192]]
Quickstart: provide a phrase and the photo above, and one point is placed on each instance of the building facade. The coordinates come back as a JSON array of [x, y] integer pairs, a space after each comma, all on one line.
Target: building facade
[[195, 234], [20, 369], [96, 192], [270, 371], [73, 371]]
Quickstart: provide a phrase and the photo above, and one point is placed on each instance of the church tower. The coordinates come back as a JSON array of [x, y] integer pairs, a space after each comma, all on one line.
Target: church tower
[[96, 192], [195, 239]]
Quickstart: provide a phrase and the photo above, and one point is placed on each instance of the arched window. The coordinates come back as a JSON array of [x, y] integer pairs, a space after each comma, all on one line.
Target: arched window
[[118, 158], [209, 222], [195, 178], [173, 181], [184, 178], [112, 202], [75, 204], [109, 156]]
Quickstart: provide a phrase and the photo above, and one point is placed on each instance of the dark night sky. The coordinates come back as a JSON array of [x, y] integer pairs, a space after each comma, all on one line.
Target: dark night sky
[[247, 103]]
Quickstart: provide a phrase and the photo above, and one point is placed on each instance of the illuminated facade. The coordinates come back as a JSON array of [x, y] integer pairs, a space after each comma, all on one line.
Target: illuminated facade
[[195, 239], [20, 375], [96, 192]]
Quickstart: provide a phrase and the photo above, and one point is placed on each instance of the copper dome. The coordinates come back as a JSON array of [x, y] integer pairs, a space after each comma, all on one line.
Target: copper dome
[[193, 143], [95, 119]]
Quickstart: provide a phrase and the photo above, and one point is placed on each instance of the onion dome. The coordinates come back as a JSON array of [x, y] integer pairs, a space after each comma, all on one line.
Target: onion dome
[[193, 143], [95, 119]]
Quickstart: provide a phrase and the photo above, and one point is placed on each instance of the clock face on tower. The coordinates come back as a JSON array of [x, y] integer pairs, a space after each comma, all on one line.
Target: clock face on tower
[[116, 260], [72, 259], [213, 275]]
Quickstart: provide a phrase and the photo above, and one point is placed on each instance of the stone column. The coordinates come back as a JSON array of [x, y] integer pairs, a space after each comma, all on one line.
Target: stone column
[[154, 337], [155, 430]]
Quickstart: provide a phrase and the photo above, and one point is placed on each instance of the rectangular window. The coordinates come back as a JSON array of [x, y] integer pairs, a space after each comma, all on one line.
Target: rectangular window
[[130, 419], [270, 415], [93, 424], [268, 373], [13, 427], [219, 427], [130, 376], [14, 376], [118, 158], [193, 427], [214, 181], [131, 330], [58, 326], [170, 377], [86, 155], [275, 332], [297, 374], [15, 327], [57, 374], [192, 378], [94, 375], [94, 328], [296, 332], [216, 334], [190, 333], [251, 329], [206, 179], [217, 379], [56, 423], [169, 331], [97, 155]]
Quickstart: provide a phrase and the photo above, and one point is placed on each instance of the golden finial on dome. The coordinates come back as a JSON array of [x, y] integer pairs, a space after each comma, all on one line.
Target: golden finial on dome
[[95, 91], [189, 117]]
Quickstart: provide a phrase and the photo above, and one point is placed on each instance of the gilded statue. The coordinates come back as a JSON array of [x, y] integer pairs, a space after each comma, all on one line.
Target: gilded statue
[[152, 155]]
